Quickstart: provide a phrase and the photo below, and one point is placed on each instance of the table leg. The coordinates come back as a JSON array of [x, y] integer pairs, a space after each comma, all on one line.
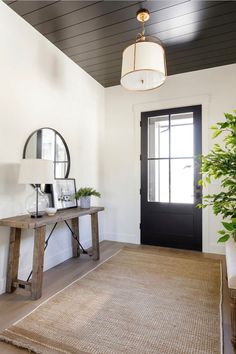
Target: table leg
[[13, 258], [95, 236], [38, 259], [75, 229]]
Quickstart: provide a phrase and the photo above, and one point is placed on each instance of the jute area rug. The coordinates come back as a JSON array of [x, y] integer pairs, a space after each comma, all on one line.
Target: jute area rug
[[136, 302]]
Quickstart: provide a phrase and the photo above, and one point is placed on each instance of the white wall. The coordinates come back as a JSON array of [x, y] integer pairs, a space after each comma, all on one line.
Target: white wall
[[213, 88], [40, 86]]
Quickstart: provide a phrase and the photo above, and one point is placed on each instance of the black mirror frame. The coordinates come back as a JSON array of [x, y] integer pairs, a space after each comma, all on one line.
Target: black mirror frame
[[63, 140]]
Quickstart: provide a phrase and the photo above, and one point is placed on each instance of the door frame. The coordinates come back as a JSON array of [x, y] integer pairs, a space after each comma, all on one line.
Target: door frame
[[195, 243], [208, 245]]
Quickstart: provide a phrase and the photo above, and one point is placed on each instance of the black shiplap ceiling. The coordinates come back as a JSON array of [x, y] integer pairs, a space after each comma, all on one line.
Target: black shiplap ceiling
[[196, 34]]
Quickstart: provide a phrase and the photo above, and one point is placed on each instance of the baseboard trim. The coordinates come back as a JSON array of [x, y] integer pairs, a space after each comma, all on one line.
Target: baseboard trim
[[2, 285], [215, 248], [127, 238]]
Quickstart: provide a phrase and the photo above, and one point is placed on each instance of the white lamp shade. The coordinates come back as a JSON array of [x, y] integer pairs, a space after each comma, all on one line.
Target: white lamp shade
[[36, 171], [143, 66]]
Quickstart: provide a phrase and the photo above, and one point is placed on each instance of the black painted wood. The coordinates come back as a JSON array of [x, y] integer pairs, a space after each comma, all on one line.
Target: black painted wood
[[24, 8], [196, 34], [175, 225]]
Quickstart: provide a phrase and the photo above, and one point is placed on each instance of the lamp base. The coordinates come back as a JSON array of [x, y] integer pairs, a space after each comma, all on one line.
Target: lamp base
[[35, 216], [36, 204]]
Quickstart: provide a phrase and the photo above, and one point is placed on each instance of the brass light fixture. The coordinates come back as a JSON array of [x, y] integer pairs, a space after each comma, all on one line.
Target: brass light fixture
[[143, 63]]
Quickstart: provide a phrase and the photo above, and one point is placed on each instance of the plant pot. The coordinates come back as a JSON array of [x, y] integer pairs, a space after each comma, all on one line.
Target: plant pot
[[85, 202]]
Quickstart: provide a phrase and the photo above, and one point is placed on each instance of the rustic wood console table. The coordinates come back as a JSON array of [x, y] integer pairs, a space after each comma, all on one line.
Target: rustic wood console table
[[17, 223]]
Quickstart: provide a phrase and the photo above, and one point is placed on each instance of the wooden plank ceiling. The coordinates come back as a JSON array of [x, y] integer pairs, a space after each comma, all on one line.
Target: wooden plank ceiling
[[196, 34]]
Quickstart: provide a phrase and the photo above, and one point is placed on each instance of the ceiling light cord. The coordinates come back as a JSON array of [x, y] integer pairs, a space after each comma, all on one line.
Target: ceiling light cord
[[141, 36]]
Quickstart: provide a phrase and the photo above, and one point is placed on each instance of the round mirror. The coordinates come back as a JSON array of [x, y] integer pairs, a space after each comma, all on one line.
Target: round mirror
[[47, 143]]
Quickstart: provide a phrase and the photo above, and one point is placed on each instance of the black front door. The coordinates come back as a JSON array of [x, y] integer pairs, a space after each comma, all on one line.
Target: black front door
[[170, 146]]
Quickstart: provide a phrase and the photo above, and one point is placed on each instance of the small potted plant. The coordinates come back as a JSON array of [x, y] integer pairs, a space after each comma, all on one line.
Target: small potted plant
[[84, 195]]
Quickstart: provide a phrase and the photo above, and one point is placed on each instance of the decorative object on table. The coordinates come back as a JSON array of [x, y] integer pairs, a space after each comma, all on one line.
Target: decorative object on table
[[36, 172], [51, 211], [219, 165], [63, 192], [84, 194], [144, 62]]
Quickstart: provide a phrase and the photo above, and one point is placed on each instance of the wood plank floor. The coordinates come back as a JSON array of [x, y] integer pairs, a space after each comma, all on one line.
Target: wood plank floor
[[15, 306]]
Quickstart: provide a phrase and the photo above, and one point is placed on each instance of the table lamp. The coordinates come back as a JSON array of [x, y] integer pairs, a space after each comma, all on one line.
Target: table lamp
[[36, 172]]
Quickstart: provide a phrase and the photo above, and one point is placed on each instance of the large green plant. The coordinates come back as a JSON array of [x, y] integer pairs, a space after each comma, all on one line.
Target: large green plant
[[220, 164]]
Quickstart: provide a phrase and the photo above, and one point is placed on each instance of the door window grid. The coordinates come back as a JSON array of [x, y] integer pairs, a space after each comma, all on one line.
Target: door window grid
[[162, 158], [52, 148]]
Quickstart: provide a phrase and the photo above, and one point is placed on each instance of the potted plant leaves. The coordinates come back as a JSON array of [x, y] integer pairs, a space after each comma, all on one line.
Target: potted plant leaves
[[220, 164], [84, 195]]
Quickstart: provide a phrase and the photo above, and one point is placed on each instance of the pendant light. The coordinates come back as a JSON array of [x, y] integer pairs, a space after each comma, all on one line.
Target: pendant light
[[143, 63]]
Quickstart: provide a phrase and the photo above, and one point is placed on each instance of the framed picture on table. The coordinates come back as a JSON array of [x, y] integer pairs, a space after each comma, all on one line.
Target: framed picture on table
[[63, 193]]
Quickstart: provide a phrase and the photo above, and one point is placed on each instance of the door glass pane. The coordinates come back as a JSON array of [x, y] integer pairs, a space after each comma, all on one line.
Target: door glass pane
[[60, 169], [181, 135], [182, 181], [158, 136], [61, 154], [48, 144], [31, 151], [158, 181]]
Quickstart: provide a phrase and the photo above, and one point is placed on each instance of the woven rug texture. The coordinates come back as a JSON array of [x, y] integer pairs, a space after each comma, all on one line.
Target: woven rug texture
[[138, 301]]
